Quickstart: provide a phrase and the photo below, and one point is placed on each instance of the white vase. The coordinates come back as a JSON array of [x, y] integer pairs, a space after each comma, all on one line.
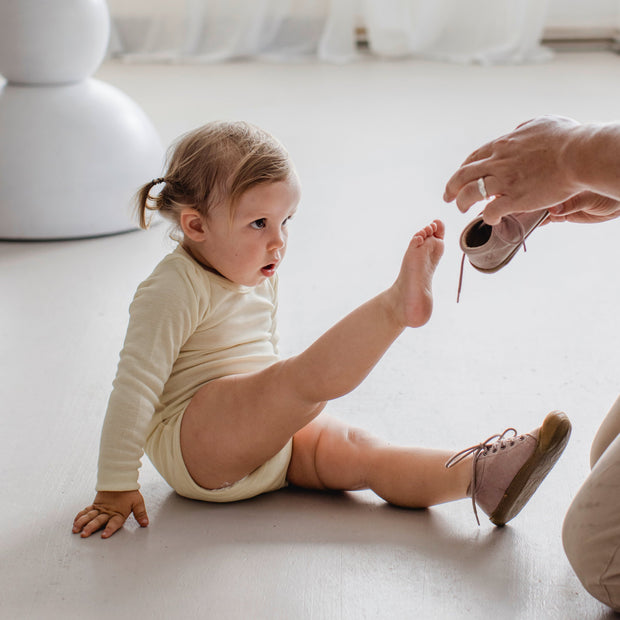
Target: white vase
[[73, 149]]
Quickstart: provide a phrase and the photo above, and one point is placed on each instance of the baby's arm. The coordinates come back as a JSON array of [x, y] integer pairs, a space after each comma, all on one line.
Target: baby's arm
[[162, 316]]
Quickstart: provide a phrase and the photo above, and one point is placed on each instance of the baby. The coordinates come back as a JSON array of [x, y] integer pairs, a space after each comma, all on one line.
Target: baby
[[200, 386]]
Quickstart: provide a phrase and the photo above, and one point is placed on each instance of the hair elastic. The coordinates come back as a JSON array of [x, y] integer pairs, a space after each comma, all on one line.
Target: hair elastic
[[158, 181]]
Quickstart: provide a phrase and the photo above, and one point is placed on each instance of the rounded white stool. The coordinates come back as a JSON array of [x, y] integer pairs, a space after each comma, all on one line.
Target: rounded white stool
[[73, 150]]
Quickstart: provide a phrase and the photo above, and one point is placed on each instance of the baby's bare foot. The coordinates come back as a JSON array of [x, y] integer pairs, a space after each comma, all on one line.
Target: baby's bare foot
[[414, 282]]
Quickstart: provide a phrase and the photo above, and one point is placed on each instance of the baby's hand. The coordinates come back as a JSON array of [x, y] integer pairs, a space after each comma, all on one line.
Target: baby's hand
[[110, 510]]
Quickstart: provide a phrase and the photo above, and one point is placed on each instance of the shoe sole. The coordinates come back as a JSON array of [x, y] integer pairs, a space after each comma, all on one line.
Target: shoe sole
[[552, 439], [514, 251]]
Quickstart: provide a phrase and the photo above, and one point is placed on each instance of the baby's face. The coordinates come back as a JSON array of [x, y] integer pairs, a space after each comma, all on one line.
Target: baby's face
[[249, 249]]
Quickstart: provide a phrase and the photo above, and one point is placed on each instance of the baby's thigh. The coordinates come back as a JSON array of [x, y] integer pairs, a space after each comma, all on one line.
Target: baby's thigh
[[235, 424]]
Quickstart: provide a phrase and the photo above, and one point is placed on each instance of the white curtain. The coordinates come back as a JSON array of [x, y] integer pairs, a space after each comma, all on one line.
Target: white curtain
[[481, 31]]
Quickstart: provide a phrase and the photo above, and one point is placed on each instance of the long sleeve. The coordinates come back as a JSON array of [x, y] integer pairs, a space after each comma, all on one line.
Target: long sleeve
[[163, 315]]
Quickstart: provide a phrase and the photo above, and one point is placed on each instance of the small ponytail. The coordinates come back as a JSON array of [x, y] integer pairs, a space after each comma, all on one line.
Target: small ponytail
[[145, 202]]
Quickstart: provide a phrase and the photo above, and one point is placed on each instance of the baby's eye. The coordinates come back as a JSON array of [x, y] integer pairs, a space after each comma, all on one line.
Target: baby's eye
[[259, 224], [287, 220]]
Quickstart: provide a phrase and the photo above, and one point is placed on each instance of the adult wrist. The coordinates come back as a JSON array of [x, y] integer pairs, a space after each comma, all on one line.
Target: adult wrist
[[591, 157], [575, 155]]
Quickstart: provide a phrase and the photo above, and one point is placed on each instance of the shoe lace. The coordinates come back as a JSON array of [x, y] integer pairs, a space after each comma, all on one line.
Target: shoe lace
[[520, 241], [492, 444]]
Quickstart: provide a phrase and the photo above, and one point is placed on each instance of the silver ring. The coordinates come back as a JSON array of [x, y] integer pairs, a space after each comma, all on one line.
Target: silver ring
[[482, 188]]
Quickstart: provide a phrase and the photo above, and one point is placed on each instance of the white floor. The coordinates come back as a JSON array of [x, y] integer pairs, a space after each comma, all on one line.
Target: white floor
[[374, 143]]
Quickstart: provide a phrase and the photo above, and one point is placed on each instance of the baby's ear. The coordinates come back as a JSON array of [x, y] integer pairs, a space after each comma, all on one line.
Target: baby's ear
[[192, 224]]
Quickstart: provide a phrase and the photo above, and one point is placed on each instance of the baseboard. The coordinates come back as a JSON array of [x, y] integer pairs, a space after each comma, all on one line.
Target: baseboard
[[579, 38]]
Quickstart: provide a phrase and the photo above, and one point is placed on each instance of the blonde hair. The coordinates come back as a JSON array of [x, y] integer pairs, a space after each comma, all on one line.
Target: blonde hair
[[216, 162]]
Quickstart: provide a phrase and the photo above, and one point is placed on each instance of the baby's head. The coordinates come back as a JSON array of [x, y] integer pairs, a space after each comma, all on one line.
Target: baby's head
[[214, 164]]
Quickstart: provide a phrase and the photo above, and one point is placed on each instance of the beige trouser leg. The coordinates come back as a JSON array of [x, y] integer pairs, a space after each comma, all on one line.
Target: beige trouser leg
[[591, 532]]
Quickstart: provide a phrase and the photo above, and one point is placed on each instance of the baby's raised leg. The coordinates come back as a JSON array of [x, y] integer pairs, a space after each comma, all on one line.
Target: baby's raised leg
[[234, 424]]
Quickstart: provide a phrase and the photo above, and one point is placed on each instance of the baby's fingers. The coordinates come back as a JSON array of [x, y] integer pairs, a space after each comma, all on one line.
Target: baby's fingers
[[91, 522], [114, 524], [83, 517]]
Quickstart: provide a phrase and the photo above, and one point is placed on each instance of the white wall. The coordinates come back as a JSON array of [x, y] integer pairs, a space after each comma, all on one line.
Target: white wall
[[583, 14]]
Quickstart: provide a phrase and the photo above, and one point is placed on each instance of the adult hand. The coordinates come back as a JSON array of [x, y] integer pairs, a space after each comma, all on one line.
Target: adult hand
[[528, 169], [585, 208], [110, 510]]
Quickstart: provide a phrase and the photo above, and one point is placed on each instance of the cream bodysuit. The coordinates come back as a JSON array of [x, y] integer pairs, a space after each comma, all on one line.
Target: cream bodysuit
[[187, 326]]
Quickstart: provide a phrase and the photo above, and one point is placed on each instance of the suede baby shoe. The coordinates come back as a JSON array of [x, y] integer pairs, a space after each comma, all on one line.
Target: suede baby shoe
[[489, 248], [508, 468]]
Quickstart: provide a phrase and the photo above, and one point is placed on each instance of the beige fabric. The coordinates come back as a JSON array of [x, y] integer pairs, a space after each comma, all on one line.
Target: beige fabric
[[164, 450], [187, 326], [591, 531], [607, 432]]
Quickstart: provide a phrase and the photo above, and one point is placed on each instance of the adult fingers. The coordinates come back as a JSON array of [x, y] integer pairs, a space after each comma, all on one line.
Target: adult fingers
[[579, 217], [468, 196], [480, 189], [497, 208], [586, 208], [483, 152], [583, 201], [463, 184], [470, 169]]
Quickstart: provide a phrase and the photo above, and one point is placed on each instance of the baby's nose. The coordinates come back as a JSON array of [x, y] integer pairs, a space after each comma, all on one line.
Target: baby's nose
[[277, 240]]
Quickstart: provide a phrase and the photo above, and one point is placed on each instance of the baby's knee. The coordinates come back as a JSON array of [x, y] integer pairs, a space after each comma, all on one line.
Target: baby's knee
[[593, 553], [342, 456], [341, 441], [358, 438]]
